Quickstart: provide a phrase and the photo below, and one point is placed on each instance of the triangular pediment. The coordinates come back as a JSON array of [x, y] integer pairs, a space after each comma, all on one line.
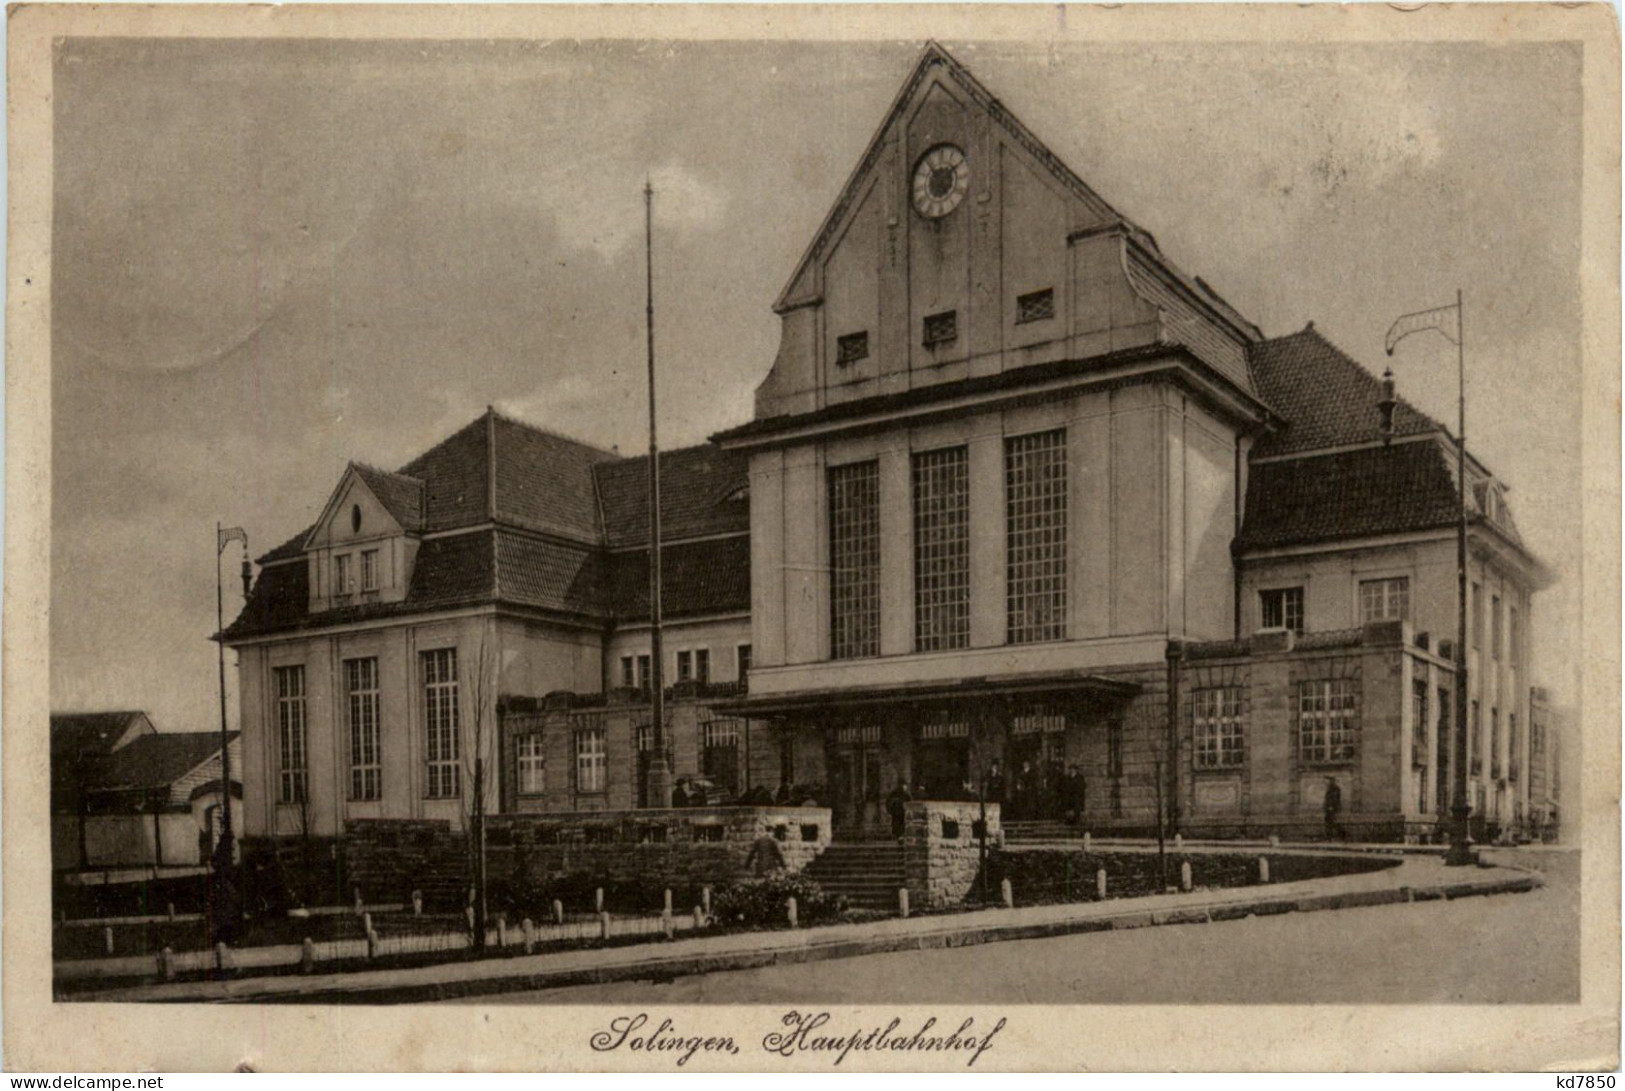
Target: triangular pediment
[[367, 503], [923, 114]]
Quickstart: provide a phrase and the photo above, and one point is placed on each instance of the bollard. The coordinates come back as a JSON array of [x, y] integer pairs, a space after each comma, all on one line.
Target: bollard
[[1263, 869], [366, 922], [1179, 842], [502, 932], [902, 901], [220, 955], [598, 901], [603, 926], [1100, 883], [171, 912], [529, 930], [705, 899], [107, 937], [666, 925], [1007, 893], [468, 914], [1085, 840], [166, 962], [790, 911], [668, 901], [372, 944], [417, 903], [699, 918], [558, 911], [1275, 840], [307, 956], [1184, 875]]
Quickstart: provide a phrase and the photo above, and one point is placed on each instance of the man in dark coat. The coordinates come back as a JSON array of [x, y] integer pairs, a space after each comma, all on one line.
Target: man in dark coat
[[1333, 805], [1074, 795], [896, 807]]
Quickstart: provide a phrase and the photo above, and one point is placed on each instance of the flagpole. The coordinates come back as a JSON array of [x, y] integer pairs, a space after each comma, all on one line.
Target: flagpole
[[658, 788], [225, 742], [1461, 845]]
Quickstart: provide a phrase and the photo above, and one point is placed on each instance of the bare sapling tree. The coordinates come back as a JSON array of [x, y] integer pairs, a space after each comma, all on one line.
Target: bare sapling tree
[[481, 681]]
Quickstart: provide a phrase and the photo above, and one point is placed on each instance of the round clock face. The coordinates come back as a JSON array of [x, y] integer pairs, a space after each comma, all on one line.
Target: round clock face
[[940, 181]]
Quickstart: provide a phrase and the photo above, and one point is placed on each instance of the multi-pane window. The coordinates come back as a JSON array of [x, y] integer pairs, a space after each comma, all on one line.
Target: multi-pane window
[[854, 559], [685, 666], [361, 708], [628, 679], [644, 669], [343, 574], [369, 570], [702, 665], [1035, 536], [1476, 617], [941, 549], [719, 752], [743, 653], [1385, 599], [591, 758], [1035, 306], [851, 347], [1495, 626], [441, 722], [532, 764], [941, 328], [1218, 725], [1282, 608], [1328, 719], [290, 720], [1419, 722]]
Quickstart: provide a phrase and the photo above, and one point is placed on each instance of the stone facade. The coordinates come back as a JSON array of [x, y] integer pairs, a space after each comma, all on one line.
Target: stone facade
[[942, 854]]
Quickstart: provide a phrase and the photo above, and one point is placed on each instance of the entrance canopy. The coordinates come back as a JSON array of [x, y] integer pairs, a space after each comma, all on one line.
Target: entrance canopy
[[1031, 684]]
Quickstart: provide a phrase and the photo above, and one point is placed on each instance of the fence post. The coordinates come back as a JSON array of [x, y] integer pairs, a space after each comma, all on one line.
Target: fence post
[[372, 943], [307, 956], [1085, 840], [1100, 884], [166, 962], [603, 925], [358, 902], [668, 901], [1275, 840], [1263, 869], [666, 925], [502, 931], [1007, 894], [530, 934], [1179, 842], [220, 955], [902, 901], [107, 936], [790, 911], [598, 901], [705, 898], [1184, 875], [699, 918], [558, 911], [417, 903]]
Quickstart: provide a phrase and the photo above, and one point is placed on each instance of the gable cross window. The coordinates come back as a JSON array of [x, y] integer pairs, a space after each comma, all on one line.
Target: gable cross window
[[1385, 599], [369, 570], [1219, 727], [532, 765], [1282, 608]]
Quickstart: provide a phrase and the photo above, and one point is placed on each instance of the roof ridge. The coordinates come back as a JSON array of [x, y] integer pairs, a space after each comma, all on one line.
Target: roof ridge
[[551, 433], [371, 468]]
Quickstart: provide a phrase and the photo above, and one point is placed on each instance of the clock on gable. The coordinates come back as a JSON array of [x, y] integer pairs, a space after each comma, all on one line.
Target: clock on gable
[[940, 181]]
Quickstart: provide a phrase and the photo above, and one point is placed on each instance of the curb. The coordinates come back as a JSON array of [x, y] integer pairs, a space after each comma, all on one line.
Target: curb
[[657, 969]]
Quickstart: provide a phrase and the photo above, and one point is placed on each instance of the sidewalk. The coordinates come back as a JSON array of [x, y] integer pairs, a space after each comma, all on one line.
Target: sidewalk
[[1414, 878]]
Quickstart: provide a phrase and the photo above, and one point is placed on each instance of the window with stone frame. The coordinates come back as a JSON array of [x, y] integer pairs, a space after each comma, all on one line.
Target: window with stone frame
[[1219, 726], [362, 713], [854, 559], [369, 570], [441, 722], [1282, 608], [628, 678], [851, 347], [702, 665], [1387, 599], [291, 734], [1035, 537], [1328, 715], [685, 666], [588, 745], [941, 549], [532, 761], [1035, 306], [941, 328], [343, 575]]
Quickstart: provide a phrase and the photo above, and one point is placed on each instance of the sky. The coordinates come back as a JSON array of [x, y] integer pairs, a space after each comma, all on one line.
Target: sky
[[273, 257]]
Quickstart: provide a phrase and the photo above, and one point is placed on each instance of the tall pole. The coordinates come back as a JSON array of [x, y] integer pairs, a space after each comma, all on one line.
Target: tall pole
[[659, 785], [1461, 845], [225, 741]]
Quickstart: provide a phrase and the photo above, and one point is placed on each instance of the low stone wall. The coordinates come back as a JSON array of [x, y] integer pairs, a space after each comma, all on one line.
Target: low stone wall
[[942, 852], [636, 850]]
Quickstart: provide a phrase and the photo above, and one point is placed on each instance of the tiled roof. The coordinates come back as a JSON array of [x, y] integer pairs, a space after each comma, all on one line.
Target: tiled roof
[[545, 481], [710, 577], [157, 761], [1326, 399], [1349, 494], [401, 496], [550, 574], [457, 477], [88, 732], [293, 547], [701, 493]]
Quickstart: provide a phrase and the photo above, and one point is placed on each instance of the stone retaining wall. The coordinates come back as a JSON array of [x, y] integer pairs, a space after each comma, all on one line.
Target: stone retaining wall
[[942, 853]]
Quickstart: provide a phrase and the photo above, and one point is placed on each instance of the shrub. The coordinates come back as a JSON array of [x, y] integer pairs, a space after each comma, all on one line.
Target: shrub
[[757, 903]]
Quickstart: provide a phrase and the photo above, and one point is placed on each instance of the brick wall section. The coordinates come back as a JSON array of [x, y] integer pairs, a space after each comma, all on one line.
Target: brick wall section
[[941, 853]]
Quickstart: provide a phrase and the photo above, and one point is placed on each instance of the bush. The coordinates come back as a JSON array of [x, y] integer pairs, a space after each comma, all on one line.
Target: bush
[[758, 903]]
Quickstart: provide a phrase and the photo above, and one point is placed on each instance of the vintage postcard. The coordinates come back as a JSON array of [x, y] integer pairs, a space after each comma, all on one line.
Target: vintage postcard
[[812, 538]]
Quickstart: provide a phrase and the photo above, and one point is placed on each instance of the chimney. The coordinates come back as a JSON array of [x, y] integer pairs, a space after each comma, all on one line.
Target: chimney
[[1386, 405]]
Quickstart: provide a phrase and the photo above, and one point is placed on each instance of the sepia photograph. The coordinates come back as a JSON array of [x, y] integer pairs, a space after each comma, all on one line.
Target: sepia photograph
[[929, 519]]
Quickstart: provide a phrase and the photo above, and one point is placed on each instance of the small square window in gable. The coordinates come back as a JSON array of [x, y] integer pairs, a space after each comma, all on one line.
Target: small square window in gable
[[1035, 306], [851, 347], [941, 328]]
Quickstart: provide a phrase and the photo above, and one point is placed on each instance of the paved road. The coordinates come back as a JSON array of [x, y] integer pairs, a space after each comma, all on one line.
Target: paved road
[[1509, 948]]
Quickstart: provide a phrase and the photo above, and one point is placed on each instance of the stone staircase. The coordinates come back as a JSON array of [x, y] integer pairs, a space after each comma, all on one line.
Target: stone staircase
[[868, 873]]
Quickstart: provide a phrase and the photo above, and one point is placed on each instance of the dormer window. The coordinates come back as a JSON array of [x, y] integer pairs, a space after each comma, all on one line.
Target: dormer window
[[343, 575], [369, 570]]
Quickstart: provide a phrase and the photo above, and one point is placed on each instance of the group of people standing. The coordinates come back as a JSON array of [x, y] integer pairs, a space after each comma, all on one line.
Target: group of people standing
[[1037, 792]]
